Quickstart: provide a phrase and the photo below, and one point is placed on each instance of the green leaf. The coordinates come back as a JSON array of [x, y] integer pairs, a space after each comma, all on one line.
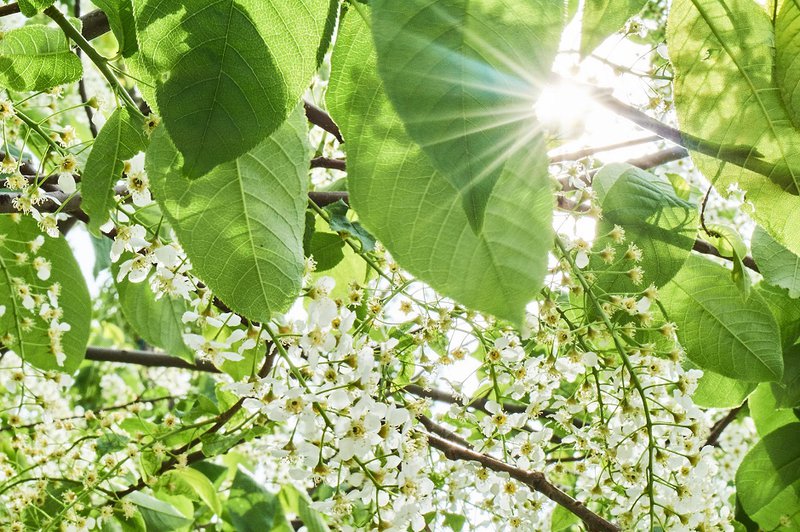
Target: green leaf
[[464, 77], [250, 507], [787, 391], [715, 391], [191, 481], [787, 51], [654, 218], [562, 519], [120, 18], [296, 501], [731, 245], [719, 330], [778, 265], [230, 71], [110, 442], [327, 250], [340, 223], [768, 480], [785, 310], [242, 224], [158, 321], [766, 413], [601, 18], [33, 344], [121, 138], [416, 212], [30, 8], [37, 58], [725, 93], [157, 514]]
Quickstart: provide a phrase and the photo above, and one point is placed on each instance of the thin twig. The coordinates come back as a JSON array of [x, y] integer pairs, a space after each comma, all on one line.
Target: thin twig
[[720, 426]]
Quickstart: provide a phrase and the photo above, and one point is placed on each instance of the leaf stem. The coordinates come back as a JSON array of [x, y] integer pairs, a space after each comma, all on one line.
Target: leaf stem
[[100, 62]]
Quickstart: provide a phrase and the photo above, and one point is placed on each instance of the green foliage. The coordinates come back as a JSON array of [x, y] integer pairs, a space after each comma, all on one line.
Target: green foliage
[[157, 321], [779, 266], [242, 224], [120, 18], [391, 182], [719, 330], [787, 47], [157, 514], [31, 7], [766, 413], [251, 508], [343, 225], [121, 138], [463, 77], [725, 93], [715, 391], [601, 18], [768, 481], [19, 279], [662, 225], [228, 76], [36, 58]]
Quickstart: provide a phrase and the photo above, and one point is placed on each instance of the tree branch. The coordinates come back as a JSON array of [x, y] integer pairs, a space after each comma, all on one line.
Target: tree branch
[[701, 246], [9, 9], [533, 479], [145, 358], [320, 118], [720, 426], [586, 152]]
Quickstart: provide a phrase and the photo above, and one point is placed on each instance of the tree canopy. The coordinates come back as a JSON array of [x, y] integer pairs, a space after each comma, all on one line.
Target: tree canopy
[[400, 265]]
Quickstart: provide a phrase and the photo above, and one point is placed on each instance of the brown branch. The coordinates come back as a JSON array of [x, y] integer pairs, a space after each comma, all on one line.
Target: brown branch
[[82, 83], [719, 427], [701, 246], [533, 479], [95, 24], [320, 118], [741, 155], [9, 9], [443, 432], [326, 162], [586, 152], [145, 358]]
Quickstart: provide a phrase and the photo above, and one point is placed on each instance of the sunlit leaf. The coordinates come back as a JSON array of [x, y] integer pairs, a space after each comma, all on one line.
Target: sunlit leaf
[[719, 330], [417, 213], [464, 76], [36, 58], [20, 280], [242, 224]]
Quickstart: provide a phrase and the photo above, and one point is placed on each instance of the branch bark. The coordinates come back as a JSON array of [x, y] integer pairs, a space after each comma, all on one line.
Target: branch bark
[[533, 479]]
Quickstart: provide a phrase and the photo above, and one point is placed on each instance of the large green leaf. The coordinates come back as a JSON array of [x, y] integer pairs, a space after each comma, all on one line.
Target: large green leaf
[[722, 52], [416, 212], [157, 321], [26, 325], [778, 265], [121, 138], [228, 72], [36, 58], [601, 18], [251, 508], [787, 391], [787, 56], [786, 311], [660, 223], [123, 25], [768, 480], [463, 76], [157, 514], [766, 413], [242, 224], [719, 330], [715, 391]]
